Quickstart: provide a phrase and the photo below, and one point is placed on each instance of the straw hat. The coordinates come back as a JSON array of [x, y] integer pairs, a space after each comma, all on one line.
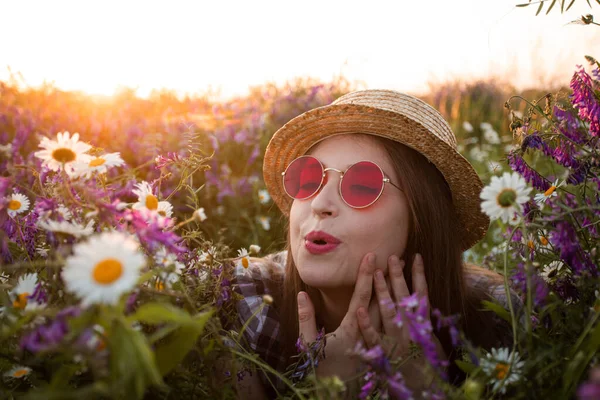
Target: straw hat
[[392, 115]]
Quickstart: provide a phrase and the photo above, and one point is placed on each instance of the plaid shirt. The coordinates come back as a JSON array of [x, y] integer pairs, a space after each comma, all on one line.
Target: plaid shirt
[[263, 330]]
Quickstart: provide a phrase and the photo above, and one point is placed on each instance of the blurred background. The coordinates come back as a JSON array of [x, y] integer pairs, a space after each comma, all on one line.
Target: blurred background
[[225, 47]]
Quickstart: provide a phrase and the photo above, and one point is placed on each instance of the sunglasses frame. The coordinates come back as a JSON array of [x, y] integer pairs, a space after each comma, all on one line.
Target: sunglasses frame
[[342, 173]]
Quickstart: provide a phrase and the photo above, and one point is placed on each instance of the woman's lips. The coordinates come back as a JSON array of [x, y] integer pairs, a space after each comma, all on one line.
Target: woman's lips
[[319, 242]]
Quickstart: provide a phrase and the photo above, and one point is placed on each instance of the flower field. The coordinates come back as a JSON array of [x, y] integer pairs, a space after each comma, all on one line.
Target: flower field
[[124, 219]]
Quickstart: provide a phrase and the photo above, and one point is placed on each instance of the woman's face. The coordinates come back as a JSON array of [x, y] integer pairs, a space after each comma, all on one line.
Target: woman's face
[[381, 228]]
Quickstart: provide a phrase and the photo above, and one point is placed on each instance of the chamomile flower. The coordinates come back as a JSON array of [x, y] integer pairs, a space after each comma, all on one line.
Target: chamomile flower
[[263, 196], [70, 228], [147, 200], [98, 164], [200, 215], [504, 197], [63, 152], [243, 259], [103, 268], [502, 368], [467, 126], [17, 372], [265, 222], [17, 204], [551, 270], [540, 198], [254, 249], [22, 292]]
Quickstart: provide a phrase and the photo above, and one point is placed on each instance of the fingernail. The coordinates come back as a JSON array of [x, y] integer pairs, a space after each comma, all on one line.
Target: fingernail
[[301, 299], [371, 259], [418, 258], [378, 275], [393, 258]]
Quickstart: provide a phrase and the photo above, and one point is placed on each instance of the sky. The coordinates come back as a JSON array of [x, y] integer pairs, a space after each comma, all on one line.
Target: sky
[[227, 46]]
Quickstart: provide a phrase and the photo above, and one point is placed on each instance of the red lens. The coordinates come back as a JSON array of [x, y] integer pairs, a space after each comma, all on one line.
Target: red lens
[[303, 177], [362, 184]]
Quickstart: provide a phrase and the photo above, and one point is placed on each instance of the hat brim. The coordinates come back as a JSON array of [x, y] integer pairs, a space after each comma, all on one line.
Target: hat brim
[[301, 133]]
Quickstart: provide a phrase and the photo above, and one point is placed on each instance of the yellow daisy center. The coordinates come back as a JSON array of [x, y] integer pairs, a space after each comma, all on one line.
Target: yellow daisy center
[[543, 240], [501, 370], [550, 191], [530, 244], [107, 271], [20, 373], [162, 213], [21, 301], [506, 198], [245, 262], [64, 155], [159, 285], [151, 202], [14, 205], [96, 162]]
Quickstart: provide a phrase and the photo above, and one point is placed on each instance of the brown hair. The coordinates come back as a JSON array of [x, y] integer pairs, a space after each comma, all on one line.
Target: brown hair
[[432, 233]]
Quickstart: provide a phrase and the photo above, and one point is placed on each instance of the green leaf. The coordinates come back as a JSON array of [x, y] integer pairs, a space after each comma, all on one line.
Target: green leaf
[[158, 313], [570, 4], [132, 363], [175, 347], [539, 8], [467, 367], [498, 309], [61, 378], [551, 5], [522, 5]]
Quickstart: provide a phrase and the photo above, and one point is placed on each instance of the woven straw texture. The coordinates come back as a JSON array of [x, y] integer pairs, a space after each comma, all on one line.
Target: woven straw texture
[[389, 114]]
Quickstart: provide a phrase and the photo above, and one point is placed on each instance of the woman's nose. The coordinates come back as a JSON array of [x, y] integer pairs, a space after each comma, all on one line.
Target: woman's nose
[[327, 201]]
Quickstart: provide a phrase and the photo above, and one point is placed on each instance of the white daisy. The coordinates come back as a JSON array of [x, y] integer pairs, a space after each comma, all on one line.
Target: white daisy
[[263, 196], [17, 204], [501, 368], [551, 270], [6, 149], [103, 268], [243, 259], [467, 126], [200, 215], [18, 371], [220, 210], [63, 152], [477, 154], [21, 293], [70, 228], [504, 197], [42, 250], [98, 164], [254, 249], [491, 136], [147, 200], [172, 268], [265, 222], [540, 198]]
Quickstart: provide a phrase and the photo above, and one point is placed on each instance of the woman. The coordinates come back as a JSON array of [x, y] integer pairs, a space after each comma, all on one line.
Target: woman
[[380, 205]]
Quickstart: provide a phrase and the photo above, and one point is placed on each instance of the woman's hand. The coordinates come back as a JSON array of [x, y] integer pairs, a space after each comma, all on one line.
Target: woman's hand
[[346, 336], [389, 293]]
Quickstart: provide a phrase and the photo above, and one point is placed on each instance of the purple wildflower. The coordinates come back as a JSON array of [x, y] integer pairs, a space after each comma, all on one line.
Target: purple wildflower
[[564, 239], [47, 337], [584, 99], [590, 390], [517, 164], [538, 285], [416, 316]]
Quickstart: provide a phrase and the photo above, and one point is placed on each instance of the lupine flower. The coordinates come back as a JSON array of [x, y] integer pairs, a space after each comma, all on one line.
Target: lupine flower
[[536, 282], [103, 268], [64, 152], [519, 165], [504, 196], [17, 204], [50, 335]]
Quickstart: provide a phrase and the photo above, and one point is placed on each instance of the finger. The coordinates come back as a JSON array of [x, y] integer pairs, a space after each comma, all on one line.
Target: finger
[[364, 285], [306, 318], [419, 280], [387, 308], [370, 335], [375, 315], [399, 286]]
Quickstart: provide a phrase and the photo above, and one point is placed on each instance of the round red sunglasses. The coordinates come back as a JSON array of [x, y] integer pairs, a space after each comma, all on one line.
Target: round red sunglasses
[[361, 184]]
